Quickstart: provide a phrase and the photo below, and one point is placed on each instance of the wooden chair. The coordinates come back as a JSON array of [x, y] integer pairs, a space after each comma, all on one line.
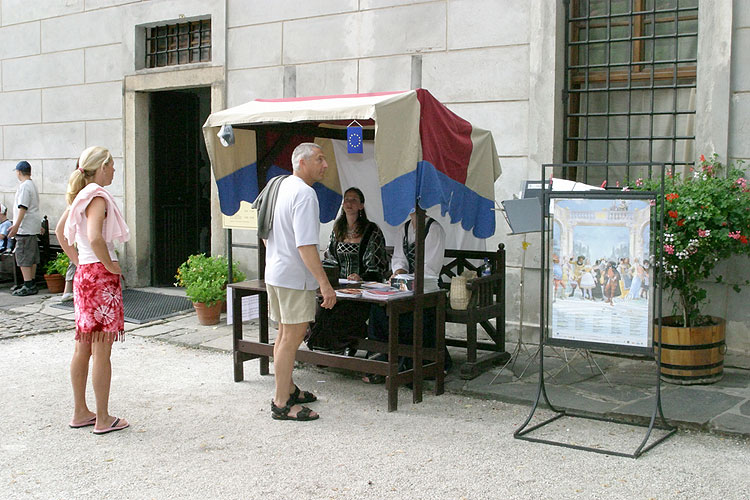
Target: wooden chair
[[487, 301]]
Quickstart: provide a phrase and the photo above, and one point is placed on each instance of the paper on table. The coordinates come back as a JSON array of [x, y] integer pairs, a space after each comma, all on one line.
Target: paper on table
[[385, 294], [567, 185], [344, 281], [376, 285]]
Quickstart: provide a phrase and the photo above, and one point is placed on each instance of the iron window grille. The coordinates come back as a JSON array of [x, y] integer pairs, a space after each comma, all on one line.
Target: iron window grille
[[629, 95], [182, 43]]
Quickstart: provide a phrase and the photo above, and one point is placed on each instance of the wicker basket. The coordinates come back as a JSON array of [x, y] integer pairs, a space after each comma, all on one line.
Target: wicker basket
[[459, 294]]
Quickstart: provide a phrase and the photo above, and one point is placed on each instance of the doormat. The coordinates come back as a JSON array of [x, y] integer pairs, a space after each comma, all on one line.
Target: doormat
[[144, 307]]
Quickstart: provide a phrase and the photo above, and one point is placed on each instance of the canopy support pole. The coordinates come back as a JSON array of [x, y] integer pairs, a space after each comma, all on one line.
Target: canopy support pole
[[418, 302], [263, 159]]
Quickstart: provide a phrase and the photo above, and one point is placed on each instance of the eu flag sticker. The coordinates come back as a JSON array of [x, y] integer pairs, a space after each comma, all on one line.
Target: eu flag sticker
[[354, 140]]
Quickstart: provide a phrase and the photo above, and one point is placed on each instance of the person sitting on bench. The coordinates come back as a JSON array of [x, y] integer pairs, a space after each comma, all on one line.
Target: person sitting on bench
[[357, 246], [5, 223], [404, 257]]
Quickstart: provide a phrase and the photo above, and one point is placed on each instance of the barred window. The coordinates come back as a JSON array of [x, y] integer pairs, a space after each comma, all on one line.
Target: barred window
[[629, 85], [182, 43]]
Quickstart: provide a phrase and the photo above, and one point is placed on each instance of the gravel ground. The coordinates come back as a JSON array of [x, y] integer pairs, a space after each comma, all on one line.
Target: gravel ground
[[196, 434]]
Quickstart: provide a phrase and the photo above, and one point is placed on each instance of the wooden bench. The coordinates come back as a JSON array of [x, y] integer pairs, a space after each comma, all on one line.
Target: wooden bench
[[487, 301], [246, 349]]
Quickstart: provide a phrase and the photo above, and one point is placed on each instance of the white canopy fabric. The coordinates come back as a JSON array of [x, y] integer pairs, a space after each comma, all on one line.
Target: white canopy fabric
[[422, 151]]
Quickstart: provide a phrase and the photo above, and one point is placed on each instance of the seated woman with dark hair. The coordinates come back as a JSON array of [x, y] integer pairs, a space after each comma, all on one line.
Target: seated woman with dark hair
[[357, 245]]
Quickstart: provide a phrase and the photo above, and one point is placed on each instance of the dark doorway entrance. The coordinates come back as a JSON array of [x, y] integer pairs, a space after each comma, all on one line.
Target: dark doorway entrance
[[180, 180]]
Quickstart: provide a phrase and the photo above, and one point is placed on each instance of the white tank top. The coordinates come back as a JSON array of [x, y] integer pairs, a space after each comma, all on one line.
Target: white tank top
[[85, 254]]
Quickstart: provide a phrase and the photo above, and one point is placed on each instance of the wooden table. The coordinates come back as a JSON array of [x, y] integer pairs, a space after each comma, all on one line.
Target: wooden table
[[244, 350]]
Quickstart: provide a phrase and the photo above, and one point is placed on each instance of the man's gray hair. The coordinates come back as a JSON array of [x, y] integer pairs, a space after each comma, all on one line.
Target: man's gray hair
[[304, 150]]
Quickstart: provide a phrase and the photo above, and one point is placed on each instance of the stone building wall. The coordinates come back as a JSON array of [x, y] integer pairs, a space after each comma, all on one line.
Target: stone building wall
[[70, 78]]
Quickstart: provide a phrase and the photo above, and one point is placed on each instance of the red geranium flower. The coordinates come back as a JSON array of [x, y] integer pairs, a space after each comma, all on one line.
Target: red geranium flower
[[672, 196], [743, 239], [681, 222], [672, 213]]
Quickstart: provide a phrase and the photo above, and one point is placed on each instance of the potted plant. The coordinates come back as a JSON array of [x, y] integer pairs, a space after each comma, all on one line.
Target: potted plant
[[205, 281], [55, 275], [706, 220]]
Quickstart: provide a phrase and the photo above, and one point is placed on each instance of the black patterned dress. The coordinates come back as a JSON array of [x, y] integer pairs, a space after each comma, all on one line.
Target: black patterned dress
[[341, 327], [348, 258], [368, 258]]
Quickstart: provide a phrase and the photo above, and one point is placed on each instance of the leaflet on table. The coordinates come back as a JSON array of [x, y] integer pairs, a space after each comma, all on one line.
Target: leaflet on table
[[385, 294], [376, 285], [348, 292], [344, 281], [406, 282]]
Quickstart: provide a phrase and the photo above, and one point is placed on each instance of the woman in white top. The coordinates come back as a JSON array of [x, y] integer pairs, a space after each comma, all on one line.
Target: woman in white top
[[93, 221]]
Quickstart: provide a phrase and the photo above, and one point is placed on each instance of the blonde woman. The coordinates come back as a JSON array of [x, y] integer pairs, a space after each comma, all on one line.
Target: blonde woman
[[92, 222]]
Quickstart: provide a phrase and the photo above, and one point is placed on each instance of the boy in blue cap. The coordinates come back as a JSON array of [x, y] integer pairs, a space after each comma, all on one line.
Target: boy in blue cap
[[26, 226]]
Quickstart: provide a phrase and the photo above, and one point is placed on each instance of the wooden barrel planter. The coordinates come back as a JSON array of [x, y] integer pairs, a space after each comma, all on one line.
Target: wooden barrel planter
[[691, 355]]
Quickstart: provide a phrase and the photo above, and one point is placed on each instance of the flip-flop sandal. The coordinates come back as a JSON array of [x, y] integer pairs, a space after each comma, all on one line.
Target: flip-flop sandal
[[85, 423], [304, 415], [373, 379], [302, 397], [116, 426]]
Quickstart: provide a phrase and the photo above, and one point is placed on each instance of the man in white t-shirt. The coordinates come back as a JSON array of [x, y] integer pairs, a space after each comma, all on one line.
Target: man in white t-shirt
[[27, 224], [293, 273]]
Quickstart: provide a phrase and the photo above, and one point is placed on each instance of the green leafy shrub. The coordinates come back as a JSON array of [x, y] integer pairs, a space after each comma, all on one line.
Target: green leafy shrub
[[58, 265], [706, 220], [205, 278]]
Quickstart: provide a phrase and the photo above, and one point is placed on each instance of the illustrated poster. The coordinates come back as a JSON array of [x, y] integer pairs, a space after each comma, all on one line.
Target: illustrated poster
[[600, 276]]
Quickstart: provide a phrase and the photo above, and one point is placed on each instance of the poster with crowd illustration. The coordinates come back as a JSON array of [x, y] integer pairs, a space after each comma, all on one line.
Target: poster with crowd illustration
[[600, 273]]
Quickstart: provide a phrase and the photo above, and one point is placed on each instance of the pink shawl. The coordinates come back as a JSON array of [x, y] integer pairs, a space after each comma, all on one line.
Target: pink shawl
[[114, 227]]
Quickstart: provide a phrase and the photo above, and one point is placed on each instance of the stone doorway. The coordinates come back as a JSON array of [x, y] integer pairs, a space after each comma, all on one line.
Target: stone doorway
[[180, 180]]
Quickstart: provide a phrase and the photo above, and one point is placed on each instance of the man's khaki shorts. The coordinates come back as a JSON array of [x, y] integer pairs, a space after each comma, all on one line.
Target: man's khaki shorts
[[289, 307], [27, 251]]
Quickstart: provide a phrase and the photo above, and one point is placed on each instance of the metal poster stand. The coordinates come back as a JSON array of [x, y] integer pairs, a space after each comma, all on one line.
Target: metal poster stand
[[519, 225], [656, 235]]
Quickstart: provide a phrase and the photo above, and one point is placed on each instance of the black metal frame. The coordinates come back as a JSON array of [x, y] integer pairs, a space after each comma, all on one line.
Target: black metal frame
[[638, 69], [155, 57], [657, 240]]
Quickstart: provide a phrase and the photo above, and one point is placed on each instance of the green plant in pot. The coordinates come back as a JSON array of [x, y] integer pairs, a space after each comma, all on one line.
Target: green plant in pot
[[55, 272], [205, 281], [706, 220]]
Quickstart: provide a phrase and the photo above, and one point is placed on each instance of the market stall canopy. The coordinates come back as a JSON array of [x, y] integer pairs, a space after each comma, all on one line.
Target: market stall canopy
[[422, 151]]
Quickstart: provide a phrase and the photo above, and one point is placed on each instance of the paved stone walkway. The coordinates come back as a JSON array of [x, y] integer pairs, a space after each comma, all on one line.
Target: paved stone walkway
[[17, 324], [620, 388]]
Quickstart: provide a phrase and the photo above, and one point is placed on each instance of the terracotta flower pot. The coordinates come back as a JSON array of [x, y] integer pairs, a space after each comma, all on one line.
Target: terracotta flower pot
[[692, 355], [55, 282], [208, 315]]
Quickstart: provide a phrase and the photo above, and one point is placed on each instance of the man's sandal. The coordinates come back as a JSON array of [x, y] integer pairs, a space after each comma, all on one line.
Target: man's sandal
[[303, 415], [371, 378], [302, 397]]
